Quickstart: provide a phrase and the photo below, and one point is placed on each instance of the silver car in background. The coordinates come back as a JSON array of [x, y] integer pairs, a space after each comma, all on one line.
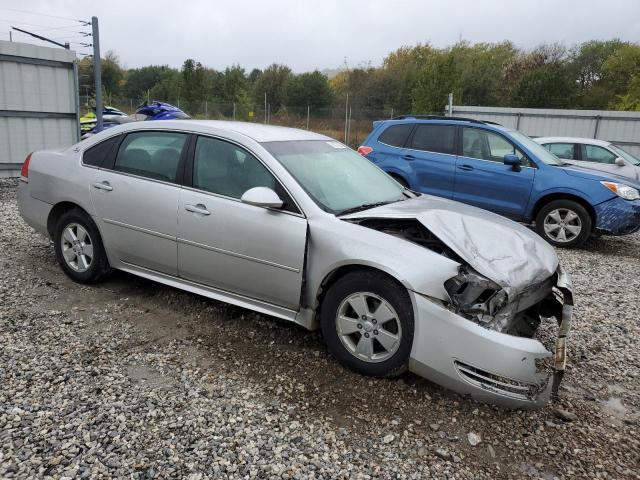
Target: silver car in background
[[296, 225], [594, 154]]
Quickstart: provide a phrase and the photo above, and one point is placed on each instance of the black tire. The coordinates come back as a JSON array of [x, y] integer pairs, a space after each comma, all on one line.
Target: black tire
[[395, 295], [99, 264], [400, 180], [585, 222]]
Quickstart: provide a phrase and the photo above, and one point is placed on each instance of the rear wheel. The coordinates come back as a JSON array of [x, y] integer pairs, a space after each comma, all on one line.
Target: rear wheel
[[564, 223], [79, 248], [367, 323]]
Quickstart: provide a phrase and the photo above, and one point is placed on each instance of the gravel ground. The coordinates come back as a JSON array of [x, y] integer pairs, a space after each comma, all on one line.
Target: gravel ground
[[133, 379]]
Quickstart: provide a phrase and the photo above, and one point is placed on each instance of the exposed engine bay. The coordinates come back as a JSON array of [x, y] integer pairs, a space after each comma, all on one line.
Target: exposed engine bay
[[477, 297]]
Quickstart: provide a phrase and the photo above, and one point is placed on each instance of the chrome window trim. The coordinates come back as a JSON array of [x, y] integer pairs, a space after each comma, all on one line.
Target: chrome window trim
[[495, 163], [389, 145], [139, 177], [431, 151]]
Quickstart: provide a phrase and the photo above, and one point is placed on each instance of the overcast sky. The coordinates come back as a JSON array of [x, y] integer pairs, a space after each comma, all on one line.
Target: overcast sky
[[307, 35]]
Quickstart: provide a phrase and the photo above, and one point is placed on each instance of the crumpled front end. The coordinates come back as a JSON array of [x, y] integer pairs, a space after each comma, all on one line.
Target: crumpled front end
[[481, 344]]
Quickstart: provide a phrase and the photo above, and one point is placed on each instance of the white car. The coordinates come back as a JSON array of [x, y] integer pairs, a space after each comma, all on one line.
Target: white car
[[594, 154]]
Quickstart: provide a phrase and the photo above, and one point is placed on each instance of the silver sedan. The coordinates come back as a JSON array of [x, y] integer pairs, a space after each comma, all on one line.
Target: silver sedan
[[296, 225]]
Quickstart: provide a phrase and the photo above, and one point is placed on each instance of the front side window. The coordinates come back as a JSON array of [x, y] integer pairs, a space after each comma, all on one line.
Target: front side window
[[434, 138], [561, 150], [396, 135], [626, 155], [226, 169], [594, 153], [485, 145], [334, 176], [151, 154], [95, 155]]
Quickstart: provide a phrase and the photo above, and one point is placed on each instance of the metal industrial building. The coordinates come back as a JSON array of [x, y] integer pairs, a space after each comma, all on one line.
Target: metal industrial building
[[621, 128], [38, 102]]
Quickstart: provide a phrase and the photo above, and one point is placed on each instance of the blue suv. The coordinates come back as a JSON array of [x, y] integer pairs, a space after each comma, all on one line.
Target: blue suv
[[500, 169]]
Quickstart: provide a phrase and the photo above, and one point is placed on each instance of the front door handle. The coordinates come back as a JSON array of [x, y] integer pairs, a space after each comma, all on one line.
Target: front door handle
[[199, 208], [408, 157], [466, 168], [103, 186]]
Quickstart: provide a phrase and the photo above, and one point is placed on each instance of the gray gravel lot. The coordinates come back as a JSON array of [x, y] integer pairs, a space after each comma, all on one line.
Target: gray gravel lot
[[134, 379]]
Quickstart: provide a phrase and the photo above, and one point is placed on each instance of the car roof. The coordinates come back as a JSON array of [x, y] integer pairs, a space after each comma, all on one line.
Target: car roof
[[256, 131], [436, 119], [587, 141]]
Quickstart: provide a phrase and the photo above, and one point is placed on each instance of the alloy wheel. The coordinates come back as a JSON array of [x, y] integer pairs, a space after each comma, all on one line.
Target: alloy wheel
[[368, 327], [562, 225], [77, 247]]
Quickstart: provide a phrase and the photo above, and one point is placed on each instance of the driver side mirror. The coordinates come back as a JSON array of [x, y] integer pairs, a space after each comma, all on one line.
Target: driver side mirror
[[262, 197], [513, 160], [620, 162]]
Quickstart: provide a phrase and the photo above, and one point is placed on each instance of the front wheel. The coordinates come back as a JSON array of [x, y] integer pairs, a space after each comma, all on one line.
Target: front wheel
[[367, 323], [564, 223]]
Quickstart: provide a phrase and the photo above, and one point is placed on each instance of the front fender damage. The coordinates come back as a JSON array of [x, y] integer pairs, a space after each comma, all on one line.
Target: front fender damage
[[481, 341]]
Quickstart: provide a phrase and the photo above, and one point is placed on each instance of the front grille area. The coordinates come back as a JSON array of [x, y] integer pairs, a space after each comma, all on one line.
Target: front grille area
[[495, 383]]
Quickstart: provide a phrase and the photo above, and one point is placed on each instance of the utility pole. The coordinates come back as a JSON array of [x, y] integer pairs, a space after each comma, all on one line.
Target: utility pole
[[450, 108], [265, 108], [346, 115], [97, 71]]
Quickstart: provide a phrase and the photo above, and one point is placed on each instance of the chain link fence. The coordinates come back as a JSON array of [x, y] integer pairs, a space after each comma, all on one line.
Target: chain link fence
[[350, 125]]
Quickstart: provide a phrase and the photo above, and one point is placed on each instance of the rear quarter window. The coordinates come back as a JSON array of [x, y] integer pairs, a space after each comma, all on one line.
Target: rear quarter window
[[396, 135], [95, 155]]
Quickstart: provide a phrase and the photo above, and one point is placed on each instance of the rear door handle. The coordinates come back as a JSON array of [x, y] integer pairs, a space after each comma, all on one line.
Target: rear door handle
[[408, 157], [199, 208], [103, 186], [466, 168]]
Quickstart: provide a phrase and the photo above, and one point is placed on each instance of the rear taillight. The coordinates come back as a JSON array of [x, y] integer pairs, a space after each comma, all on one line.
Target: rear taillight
[[25, 166], [364, 150]]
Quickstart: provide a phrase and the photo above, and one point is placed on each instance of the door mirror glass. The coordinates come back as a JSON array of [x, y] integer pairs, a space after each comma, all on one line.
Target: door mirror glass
[[620, 162], [262, 197], [513, 160]]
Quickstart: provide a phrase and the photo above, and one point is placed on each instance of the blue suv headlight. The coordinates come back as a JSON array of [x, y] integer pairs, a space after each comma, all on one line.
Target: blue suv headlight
[[622, 190]]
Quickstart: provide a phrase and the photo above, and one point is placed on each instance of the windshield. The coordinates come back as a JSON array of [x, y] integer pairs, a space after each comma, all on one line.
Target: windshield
[[538, 150], [624, 154], [336, 177]]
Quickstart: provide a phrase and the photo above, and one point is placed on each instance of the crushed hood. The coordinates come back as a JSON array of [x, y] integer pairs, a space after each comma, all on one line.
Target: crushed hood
[[506, 252]]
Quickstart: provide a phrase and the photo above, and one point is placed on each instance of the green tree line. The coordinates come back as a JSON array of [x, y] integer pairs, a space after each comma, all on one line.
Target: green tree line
[[413, 79]]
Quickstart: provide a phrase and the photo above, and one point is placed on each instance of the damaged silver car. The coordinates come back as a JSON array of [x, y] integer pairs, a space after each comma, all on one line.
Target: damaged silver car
[[296, 225]]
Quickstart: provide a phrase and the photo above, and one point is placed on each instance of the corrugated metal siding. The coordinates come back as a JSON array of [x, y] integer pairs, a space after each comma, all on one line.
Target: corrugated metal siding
[[622, 127], [43, 82]]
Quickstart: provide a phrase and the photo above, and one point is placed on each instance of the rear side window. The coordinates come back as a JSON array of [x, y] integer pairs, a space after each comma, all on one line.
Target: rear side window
[[95, 155], [561, 150], [151, 154], [396, 135], [434, 138]]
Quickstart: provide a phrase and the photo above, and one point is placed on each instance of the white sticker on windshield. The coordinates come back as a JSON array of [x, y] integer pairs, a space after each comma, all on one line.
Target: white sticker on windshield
[[336, 145]]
